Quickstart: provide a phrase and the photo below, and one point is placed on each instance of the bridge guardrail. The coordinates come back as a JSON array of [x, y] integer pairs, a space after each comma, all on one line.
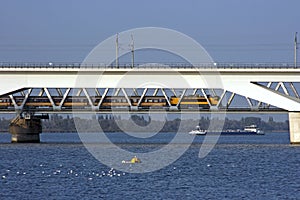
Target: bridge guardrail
[[70, 65]]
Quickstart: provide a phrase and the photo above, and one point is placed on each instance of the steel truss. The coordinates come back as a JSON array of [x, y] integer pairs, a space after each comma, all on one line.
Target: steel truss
[[287, 89], [135, 99]]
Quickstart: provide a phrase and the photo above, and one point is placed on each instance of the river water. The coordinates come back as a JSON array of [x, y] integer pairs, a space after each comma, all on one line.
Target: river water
[[238, 167]]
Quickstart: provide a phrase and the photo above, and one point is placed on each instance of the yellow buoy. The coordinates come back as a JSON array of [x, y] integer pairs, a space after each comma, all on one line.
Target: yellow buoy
[[135, 160]]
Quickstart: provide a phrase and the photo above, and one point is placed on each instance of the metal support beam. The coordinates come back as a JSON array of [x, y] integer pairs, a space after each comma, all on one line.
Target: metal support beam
[[64, 98], [126, 96], [221, 98], [155, 92], [41, 92], [97, 92], [284, 88], [142, 97], [25, 98], [102, 97], [294, 90], [50, 99], [195, 91], [174, 92], [59, 91], [205, 96], [181, 97], [135, 92], [89, 99], [166, 97], [117, 91], [230, 100], [79, 92]]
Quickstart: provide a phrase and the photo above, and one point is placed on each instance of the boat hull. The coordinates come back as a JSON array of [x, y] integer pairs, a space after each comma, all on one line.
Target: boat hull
[[237, 133], [197, 133]]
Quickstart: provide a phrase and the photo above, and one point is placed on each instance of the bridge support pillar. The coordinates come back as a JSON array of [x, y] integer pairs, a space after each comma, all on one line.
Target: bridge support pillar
[[294, 120], [25, 129]]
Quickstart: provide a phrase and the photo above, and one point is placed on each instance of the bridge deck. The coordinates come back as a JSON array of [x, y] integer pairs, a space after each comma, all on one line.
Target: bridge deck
[[237, 78]]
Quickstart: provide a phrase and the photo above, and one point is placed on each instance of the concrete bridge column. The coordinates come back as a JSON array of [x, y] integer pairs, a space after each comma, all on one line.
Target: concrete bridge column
[[294, 120], [25, 129]]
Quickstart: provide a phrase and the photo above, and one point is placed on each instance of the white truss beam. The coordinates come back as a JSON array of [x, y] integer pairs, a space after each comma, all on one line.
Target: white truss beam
[[221, 98], [59, 92], [50, 98], [135, 92], [205, 96], [166, 97], [117, 91], [181, 97], [230, 100], [89, 99], [64, 98], [126, 96], [195, 91], [249, 102], [102, 97], [142, 97], [97, 92], [284, 88], [294, 90], [155, 92]]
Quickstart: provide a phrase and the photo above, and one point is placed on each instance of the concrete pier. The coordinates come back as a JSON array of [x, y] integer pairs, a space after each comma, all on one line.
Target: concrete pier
[[25, 129], [294, 120]]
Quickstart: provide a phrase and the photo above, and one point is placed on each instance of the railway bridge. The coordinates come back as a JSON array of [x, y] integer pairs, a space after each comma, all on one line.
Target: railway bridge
[[33, 90]]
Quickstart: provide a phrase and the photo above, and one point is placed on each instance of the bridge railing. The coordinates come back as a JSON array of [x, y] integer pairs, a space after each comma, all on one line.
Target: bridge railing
[[76, 65]]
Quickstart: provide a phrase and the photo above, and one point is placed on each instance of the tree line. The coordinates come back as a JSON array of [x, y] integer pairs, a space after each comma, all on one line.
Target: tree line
[[111, 123]]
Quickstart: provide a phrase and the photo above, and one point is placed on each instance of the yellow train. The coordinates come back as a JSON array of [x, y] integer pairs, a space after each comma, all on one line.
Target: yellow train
[[195, 100], [112, 101]]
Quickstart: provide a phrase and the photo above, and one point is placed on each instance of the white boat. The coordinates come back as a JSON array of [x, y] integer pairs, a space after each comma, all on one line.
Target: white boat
[[248, 130], [198, 131], [253, 129]]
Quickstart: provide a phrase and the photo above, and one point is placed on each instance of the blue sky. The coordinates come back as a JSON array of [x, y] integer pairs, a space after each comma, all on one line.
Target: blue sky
[[230, 30]]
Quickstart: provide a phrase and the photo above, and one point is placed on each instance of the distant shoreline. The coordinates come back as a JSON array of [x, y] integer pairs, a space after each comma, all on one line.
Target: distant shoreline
[[109, 123]]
